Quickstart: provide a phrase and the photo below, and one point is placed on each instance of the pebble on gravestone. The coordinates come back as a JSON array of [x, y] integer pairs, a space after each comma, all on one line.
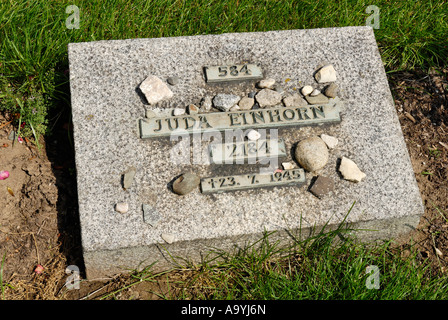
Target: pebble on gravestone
[[266, 83], [155, 90], [192, 109], [287, 165], [322, 186], [267, 98], [246, 103], [206, 103], [122, 207], [326, 74], [128, 177], [178, 111], [306, 90], [332, 90], [294, 101], [224, 101], [319, 99], [253, 135], [312, 153], [173, 80], [168, 237], [235, 108], [315, 92], [350, 170], [150, 215], [186, 183], [330, 141]]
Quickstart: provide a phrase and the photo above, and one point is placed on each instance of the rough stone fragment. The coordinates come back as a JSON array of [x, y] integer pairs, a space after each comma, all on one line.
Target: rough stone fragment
[[235, 108], [252, 94], [206, 103], [326, 74], [294, 101], [168, 237], [128, 177], [155, 90], [150, 215], [287, 165], [306, 90], [319, 99], [312, 153], [178, 111], [173, 80], [192, 109], [267, 98], [253, 135], [330, 141], [332, 90], [186, 183], [224, 101], [350, 170], [122, 207], [246, 103], [322, 186], [315, 92], [266, 83]]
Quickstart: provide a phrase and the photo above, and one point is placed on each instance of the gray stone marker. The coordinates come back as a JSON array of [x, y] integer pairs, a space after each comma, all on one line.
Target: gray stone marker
[[107, 111]]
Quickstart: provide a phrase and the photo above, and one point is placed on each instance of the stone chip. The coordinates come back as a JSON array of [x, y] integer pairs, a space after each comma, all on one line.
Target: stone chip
[[155, 90]]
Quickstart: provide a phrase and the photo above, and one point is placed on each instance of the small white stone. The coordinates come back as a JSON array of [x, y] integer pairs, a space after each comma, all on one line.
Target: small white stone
[[330, 141], [306, 90], [122, 207], [168, 237], [326, 74], [178, 111], [350, 170], [155, 90], [315, 92], [253, 135], [287, 165], [266, 83]]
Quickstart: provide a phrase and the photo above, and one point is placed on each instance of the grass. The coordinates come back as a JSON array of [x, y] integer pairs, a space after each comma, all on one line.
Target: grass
[[321, 267], [34, 37]]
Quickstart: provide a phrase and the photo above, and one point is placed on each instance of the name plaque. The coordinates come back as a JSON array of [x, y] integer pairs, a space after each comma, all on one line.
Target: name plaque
[[240, 151], [253, 180], [259, 118], [233, 73]]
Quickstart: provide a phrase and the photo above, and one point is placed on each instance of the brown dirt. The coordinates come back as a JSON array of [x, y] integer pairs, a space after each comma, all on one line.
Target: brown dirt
[[39, 224]]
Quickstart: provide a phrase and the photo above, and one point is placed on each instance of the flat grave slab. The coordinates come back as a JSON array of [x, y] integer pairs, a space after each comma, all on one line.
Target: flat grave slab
[[115, 144]]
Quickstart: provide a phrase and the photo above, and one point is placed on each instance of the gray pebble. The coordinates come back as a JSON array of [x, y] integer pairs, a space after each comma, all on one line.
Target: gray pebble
[[173, 80], [186, 183]]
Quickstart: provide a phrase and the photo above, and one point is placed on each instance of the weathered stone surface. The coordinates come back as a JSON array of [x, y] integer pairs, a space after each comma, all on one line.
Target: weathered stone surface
[[186, 183], [155, 90], [322, 186], [319, 99], [104, 76], [330, 141], [331, 91], [224, 102], [268, 98], [350, 170], [246, 103], [326, 74], [312, 153], [294, 100]]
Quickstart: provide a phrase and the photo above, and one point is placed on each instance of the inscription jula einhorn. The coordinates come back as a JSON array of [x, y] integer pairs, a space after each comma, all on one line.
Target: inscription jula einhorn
[[260, 118]]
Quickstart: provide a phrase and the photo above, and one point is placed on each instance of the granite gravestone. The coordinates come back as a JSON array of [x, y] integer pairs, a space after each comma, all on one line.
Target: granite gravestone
[[127, 163]]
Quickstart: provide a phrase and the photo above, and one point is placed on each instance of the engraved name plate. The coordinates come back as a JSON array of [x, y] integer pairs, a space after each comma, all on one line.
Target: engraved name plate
[[241, 152], [253, 180], [233, 73], [259, 118]]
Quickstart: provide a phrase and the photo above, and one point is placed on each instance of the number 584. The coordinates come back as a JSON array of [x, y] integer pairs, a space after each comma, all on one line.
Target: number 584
[[233, 71]]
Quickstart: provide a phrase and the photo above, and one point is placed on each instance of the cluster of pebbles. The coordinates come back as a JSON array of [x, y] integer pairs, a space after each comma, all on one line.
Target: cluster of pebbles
[[312, 153]]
